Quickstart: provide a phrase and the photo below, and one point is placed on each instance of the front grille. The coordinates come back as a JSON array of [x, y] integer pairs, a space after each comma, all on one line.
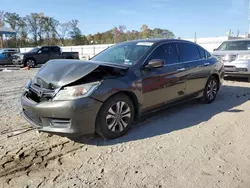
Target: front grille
[[32, 117], [226, 58], [231, 58], [39, 94], [234, 69], [230, 69], [15, 57]]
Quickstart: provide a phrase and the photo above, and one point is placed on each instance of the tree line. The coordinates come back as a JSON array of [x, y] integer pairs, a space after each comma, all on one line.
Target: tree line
[[38, 29]]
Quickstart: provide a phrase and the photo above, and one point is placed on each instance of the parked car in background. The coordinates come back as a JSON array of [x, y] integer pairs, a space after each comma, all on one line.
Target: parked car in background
[[119, 85], [235, 54], [6, 55], [40, 55]]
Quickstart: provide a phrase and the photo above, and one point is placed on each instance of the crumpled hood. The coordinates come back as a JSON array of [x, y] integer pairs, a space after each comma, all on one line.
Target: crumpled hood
[[58, 73]]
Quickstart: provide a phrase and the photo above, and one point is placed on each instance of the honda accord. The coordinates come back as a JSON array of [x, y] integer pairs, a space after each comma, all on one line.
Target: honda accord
[[117, 86]]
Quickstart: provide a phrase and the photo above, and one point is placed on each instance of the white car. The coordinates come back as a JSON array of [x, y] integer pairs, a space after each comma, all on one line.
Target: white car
[[235, 55]]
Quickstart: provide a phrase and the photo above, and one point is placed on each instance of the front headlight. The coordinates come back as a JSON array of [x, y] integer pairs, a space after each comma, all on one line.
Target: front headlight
[[243, 57], [20, 56], [75, 92]]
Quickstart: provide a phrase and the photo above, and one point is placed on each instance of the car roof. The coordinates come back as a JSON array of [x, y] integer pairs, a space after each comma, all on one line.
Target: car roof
[[9, 49], [49, 46], [244, 39], [156, 40]]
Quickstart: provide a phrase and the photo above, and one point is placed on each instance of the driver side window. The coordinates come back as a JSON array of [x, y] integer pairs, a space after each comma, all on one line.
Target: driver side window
[[44, 50], [167, 52]]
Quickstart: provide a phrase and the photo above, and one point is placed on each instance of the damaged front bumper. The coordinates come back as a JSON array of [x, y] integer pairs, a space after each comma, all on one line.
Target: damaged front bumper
[[76, 117]]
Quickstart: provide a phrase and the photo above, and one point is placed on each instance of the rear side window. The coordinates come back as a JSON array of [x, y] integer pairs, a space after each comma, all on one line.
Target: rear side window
[[188, 52], [202, 53], [55, 49], [208, 54], [167, 52]]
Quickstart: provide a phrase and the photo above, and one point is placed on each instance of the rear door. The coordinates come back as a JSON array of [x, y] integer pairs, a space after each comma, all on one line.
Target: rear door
[[166, 84], [55, 53], [196, 65]]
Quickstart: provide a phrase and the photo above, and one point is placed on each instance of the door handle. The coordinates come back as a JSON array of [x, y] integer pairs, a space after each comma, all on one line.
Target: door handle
[[181, 69], [206, 64]]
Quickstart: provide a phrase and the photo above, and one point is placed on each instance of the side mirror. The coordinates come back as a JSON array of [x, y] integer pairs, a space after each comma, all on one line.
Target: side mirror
[[215, 49], [155, 63]]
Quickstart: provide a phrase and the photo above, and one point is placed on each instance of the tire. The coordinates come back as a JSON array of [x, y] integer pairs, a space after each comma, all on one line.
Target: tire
[[110, 124], [210, 90], [30, 62]]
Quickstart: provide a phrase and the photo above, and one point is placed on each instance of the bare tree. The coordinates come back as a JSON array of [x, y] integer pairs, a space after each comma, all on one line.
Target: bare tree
[[63, 31], [1, 25], [33, 22], [1, 18]]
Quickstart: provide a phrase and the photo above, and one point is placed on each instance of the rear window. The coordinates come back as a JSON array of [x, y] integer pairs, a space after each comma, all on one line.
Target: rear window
[[234, 46], [188, 52]]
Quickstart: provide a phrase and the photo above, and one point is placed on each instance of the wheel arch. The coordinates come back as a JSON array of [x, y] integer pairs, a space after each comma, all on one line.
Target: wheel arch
[[217, 78], [29, 58], [132, 96]]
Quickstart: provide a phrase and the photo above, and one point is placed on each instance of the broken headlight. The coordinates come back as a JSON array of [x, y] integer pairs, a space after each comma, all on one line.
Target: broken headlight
[[75, 92]]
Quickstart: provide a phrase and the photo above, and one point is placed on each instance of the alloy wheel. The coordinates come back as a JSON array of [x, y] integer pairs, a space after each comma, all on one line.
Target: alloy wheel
[[118, 116], [30, 63], [212, 89]]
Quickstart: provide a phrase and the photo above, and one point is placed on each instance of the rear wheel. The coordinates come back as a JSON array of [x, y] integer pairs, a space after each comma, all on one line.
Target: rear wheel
[[115, 117], [210, 90]]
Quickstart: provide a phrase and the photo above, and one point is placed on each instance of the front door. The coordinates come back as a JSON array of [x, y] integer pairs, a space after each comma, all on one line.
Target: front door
[[6, 58], [3, 58], [43, 55], [166, 84]]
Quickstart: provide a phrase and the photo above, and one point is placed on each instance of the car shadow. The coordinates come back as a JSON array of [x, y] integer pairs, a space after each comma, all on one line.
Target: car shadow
[[180, 117]]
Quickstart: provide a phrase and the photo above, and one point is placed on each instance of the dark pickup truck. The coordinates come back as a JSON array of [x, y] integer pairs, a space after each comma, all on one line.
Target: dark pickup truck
[[40, 55]]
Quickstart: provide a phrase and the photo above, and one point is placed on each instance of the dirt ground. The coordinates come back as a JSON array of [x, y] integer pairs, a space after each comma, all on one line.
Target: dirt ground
[[191, 145]]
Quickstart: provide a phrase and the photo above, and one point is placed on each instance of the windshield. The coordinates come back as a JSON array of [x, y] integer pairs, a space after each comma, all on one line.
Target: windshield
[[34, 50], [234, 45], [127, 53]]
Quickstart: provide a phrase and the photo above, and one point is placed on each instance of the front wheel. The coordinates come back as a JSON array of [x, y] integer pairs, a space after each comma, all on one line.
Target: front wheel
[[115, 117], [210, 90], [30, 63]]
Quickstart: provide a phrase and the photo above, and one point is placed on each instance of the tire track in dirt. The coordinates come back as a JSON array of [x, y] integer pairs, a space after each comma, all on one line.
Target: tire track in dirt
[[31, 159]]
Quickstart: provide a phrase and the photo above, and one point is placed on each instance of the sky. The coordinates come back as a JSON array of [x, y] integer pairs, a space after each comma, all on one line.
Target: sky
[[208, 18]]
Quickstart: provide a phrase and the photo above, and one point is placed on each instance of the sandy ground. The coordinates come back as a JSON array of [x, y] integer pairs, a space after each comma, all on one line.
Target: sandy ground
[[192, 145]]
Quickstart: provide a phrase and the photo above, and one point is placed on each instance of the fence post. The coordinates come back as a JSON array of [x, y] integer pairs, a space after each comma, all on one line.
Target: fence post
[[81, 51], [94, 50]]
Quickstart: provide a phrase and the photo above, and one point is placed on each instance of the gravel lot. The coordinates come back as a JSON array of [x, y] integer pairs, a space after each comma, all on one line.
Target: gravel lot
[[192, 145]]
